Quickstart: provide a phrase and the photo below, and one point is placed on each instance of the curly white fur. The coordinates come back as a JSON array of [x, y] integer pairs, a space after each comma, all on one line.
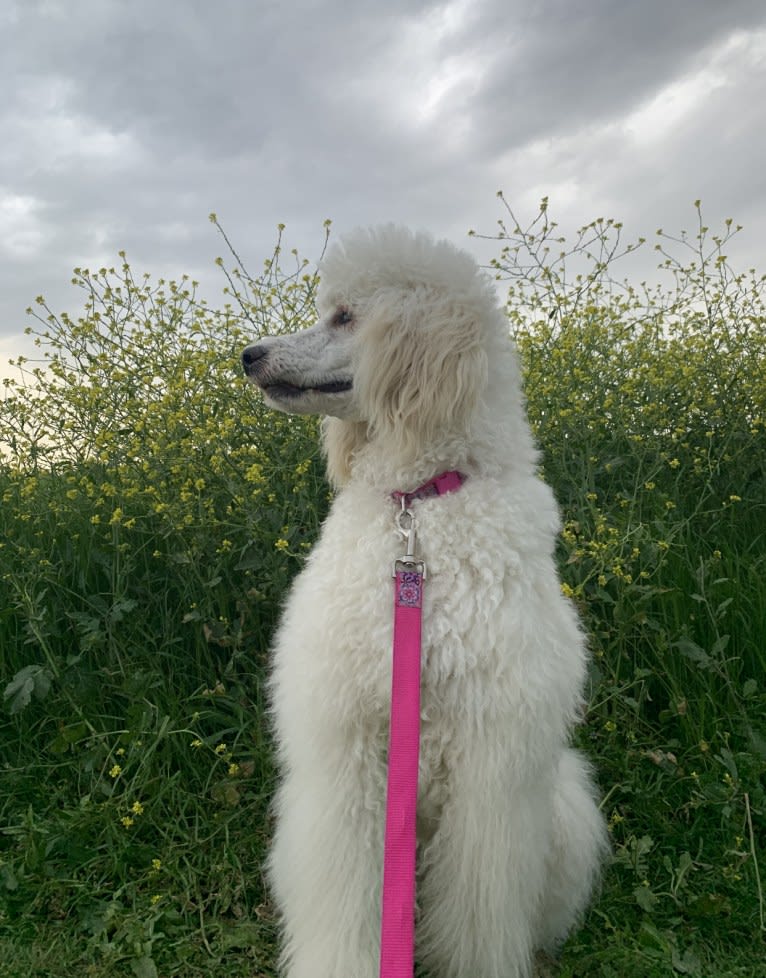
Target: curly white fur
[[412, 365]]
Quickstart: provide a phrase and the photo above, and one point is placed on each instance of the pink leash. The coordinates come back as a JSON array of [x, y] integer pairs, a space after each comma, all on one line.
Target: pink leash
[[397, 942]]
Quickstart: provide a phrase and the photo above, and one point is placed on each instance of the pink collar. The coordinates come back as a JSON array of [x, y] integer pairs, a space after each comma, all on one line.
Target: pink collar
[[438, 486]]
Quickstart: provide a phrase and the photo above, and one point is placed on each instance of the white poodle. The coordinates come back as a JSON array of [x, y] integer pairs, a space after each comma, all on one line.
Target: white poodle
[[412, 365]]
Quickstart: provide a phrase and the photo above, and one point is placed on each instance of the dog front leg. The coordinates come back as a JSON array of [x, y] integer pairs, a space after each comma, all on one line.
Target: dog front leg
[[325, 868], [483, 872]]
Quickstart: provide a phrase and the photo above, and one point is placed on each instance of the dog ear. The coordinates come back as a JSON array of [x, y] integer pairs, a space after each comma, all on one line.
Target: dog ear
[[422, 368], [340, 441]]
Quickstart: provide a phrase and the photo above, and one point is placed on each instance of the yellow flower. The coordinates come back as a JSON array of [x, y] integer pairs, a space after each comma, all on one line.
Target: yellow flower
[[155, 899], [281, 544], [156, 865], [196, 743], [233, 770], [220, 749], [115, 771], [127, 821], [137, 808], [566, 590]]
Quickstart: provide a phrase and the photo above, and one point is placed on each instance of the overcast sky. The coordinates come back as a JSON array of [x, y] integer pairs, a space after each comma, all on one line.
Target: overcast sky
[[123, 124]]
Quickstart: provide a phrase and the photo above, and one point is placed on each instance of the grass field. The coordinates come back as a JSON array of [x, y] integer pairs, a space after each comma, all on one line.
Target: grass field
[[152, 515]]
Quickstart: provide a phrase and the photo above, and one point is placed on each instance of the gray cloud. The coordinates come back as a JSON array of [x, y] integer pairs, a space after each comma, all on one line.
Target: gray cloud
[[125, 124], [574, 64]]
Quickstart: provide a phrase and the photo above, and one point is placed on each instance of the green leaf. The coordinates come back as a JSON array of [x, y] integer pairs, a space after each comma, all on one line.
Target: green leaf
[[68, 736], [143, 967], [645, 898], [28, 682], [690, 650], [687, 963], [8, 879], [719, 645]]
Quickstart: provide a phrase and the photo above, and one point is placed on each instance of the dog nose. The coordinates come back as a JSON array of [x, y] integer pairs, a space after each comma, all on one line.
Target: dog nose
[[251, 355]]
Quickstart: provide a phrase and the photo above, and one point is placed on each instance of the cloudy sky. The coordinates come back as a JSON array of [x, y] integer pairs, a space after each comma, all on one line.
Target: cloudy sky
[[123, 124]]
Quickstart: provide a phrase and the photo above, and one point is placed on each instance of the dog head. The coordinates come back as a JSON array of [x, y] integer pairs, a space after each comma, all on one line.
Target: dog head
[[400, 345], [310, 372]]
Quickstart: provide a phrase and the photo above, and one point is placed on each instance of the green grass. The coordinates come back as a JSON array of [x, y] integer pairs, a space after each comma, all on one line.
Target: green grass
[[153, 514]]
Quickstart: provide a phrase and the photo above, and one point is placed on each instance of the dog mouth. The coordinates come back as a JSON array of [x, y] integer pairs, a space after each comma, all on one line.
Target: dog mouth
[[284, 391]]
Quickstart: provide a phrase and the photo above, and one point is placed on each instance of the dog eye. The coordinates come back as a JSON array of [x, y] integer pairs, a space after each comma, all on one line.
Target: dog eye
[[342, 318]]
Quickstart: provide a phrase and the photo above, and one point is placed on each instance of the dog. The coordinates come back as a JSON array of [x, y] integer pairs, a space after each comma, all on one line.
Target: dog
[[412, 368]]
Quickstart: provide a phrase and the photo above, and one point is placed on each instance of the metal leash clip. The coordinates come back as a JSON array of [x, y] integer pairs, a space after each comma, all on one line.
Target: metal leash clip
[[406, 524]]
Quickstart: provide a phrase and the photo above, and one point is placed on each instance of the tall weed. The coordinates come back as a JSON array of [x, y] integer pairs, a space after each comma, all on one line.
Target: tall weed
[[153, 514], [650, 406]]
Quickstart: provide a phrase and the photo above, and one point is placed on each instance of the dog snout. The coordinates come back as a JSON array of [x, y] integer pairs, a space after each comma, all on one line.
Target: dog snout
[[253, 357]]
